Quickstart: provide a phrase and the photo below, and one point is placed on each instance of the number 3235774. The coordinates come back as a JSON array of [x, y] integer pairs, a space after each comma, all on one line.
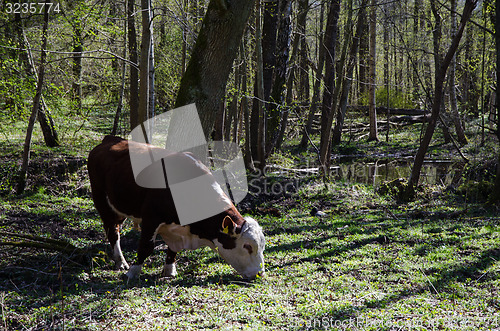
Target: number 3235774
[[31, 8]]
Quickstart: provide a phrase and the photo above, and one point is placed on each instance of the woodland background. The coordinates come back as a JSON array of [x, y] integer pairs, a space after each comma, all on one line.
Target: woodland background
[[382, 114]]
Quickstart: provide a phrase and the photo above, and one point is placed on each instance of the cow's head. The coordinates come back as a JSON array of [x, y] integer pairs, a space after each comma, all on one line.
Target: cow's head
[[242, 246]]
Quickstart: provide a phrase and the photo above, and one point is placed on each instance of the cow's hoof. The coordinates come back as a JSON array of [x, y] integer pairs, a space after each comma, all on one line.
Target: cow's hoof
[[133, 273], [122, 265], [169, 270]]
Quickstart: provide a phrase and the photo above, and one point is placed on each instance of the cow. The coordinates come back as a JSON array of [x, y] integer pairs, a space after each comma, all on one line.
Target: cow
[[116, 195]]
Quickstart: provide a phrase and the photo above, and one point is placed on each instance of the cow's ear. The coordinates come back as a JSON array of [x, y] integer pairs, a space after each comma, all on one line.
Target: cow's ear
[[228, 225]]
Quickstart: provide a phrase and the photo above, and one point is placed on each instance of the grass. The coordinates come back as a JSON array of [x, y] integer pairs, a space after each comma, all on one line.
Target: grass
[[359, 265], [371, 264]]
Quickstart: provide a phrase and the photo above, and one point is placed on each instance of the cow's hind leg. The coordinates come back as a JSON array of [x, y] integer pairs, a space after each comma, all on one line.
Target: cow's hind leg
[[145, 249], [169, 269], [111, 222]]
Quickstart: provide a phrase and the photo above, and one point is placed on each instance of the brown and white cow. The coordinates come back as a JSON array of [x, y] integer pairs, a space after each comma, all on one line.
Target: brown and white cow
[[238, 240]]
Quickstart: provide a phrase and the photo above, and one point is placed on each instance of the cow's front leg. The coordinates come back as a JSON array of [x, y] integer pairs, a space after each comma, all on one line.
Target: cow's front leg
[[146, 247], [120, 262], [169, 269]]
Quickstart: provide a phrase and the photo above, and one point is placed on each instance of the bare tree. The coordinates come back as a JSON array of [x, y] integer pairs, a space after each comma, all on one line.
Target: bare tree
[[21, 182], [346, 85], [462, 139], [329, 81], [134, 72], [372, 72], [316, 90], [261, 113], [438, 93], [145, 62], [275, 110]]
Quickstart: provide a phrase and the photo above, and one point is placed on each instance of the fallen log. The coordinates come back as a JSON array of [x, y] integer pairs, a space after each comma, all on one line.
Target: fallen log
[[381, 110], [410, 119]]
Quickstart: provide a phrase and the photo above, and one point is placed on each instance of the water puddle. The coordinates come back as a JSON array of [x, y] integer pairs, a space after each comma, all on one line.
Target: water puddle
[[442, 172]]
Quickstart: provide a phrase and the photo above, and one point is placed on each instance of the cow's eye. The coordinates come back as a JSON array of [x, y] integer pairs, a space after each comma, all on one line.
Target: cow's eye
[[248, 247]]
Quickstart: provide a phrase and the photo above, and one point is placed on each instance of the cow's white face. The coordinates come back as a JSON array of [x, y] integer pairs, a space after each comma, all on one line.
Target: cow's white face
[[247, 257]]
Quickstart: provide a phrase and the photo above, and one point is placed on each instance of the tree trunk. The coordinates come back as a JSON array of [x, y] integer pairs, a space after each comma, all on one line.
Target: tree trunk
[[372, 79], [49, 131], [364, 55], [151, 73], [270, 24], [416, 43], [261, 138], [21, 182], [437, 36], [387, 10], [462, 139], [303, 90], [144, 64], [211, 61], [291, 75], [495, 195], [119, 106], [316, 92], [77, 59], [438, 93], [275, 110], [134, 71], [247, 154], [346, 85], [329, 80]]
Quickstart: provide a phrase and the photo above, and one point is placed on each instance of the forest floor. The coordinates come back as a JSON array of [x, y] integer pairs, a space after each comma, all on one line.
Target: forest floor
[[373, 263]]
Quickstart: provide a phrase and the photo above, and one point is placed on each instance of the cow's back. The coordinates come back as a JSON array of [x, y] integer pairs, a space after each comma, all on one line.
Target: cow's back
[[111, 176]]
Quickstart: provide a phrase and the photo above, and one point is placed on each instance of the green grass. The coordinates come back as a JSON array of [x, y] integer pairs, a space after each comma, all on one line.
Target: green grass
[[358, 265], [371, 264]]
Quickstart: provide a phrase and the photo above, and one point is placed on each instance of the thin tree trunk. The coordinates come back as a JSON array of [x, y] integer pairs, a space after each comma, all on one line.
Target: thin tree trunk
[[275, 110], [372, 75], [261, 138], [144, 63], [387, 9], [134, 71], [21, 182], [316, 92], [462, 139], [437, 36], [247, 154], [329, 81], [291, 77], [218, 133], [416, 33], [346, 85], [364, 55], [184, 36], [49, 131], [77, 61], [438, 93], [495, 195], [152, 76], [119, 107], [303, 90]]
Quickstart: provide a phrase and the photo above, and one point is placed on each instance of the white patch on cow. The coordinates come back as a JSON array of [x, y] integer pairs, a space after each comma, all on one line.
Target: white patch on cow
[[246, 264], [179, 237], [136, 220], [169, 270], [134, 271], [120, 262]]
